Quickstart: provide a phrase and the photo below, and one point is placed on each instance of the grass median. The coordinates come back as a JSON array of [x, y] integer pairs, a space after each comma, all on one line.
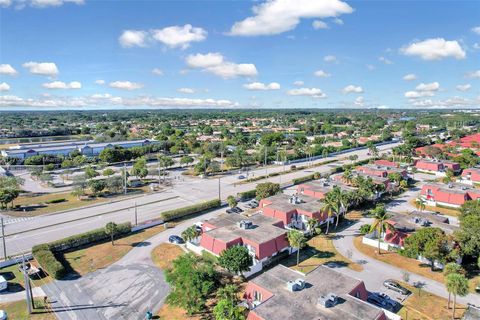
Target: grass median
[[18, 311]]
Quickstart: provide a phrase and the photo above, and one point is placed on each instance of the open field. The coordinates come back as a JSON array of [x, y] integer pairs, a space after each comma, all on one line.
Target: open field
[[164, 254], [18, 311]]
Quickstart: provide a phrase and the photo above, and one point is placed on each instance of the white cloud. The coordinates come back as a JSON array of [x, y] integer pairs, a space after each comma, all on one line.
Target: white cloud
[[434, 86], [133, 38], [476, 46], [464, 87], [454, 102], [4, 87], [5, 3], [114, 101], [41, 68], [62, 85], [278, 16], [100, 82], [435, 49], [473, 74], [418, 94], [262, 86], [177, 36], [352, 89], [330, 58], [359, 101], [410, 77], [476, 30], [318, 24], [53, 3], [370, 67], [216, 64], [126, 85], [338, 21], [157, 72], [7, 69], [310, 92], [322, 74], [186, 90], [298, 83], [385, 60]]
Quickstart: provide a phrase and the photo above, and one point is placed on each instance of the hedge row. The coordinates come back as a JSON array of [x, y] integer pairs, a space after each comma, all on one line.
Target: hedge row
[[246, 195], [56, 201], [312, 176], [48, 261], [185, 211]]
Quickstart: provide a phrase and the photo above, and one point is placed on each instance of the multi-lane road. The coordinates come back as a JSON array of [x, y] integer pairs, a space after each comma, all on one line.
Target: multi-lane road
[[23, 234]]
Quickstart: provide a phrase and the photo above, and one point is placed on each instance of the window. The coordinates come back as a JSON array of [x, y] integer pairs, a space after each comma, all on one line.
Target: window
[[257, 296]]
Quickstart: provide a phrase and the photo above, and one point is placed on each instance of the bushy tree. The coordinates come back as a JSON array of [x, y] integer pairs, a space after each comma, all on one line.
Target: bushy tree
[[430, 243], [236, 259], [232, 202], [111, 229], [468, 234], [108, 172], [114, 184], [267, 189], [96, 186], [139, 168], [90, 173]]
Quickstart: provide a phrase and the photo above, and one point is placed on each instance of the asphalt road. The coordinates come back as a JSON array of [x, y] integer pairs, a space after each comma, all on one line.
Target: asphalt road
[[21, 236]]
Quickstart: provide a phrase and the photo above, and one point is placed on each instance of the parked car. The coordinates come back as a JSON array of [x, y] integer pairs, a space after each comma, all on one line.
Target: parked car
[[382, 300], [3, 284], [175, 239], [240, 177], [230, 210], [3, 315], [395, 286], [237, 209]]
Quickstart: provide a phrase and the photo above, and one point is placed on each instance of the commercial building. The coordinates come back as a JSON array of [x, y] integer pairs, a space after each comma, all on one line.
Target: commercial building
[[470, 176], [451, 195], [319, 188], [437, 167], [282, 293], [381, 171]]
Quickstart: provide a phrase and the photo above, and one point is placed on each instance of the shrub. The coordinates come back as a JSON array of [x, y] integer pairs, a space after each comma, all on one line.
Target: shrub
[[48, 261], [56, 200], [185, 211], [246, 195], [365, 229], [305, 178]]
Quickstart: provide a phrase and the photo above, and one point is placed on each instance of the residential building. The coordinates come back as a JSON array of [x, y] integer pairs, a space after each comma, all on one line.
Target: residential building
[[282, 293], [437, 167], [386, 163], [294, 211], [452, 195], [381, 171], [319, 188], [470, 176], [263, 236]]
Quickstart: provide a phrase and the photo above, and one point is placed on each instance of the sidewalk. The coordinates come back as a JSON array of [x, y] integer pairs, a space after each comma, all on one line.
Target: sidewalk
[[17, 296]]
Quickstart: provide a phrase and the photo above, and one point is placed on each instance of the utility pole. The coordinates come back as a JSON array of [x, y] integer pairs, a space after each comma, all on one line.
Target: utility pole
[[3, 240], [27, 286], [159, 173], [265, 163], [136, 219], [221, 161], [219, 198], [125, 176]]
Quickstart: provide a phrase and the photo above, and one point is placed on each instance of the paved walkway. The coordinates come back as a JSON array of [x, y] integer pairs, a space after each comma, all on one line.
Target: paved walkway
[[375, 272], [16, 296]]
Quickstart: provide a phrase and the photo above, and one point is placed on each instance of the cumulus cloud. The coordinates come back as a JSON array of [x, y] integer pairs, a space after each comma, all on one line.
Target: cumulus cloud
[[7, 69], [423, 90], [133, 38], [310, 92], [352, 89], [186, 90], [434, 86], [453, 102], [385, 60], [126, 85], [4, 87], [298, 83], [418, 94], [62, 85], [318, 24], [114, 101], [262, 86], [338, 21], [38, 3], [157, 71], [463, 87], [330, 58], [42, 68], [321, 74], [435, 49], [215, 63], [5, 3], [100, 82], [473, 74], [359, 101], [410, 77], [476, 30], [177, 36], [278, 16]]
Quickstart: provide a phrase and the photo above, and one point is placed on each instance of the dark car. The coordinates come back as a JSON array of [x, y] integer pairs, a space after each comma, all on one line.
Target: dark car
[[175, 239], [237, 210], [395, 286], [230, 210], [382, 300]]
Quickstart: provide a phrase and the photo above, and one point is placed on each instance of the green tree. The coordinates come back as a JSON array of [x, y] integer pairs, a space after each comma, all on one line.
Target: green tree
[[430, 243], [267, 189], [186, 160], [228, 309], [90, 173], [297, 240], [96, 186], [311, 224], [140, 169], [192, 280], [111, 229], [7, 196], [190, 233], [380, 223], [457, 285], [420, 204], [108, 172], [114, 184], [232, 202], [165, 162], [450, 268], [236, 259]]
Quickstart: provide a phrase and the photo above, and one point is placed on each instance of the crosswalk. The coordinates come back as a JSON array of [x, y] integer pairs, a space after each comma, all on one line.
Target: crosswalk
[[7, 221]]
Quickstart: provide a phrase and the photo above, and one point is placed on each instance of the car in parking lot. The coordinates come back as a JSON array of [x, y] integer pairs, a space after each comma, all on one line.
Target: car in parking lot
[[230, 210], [175, 239], [240, 177], [237, 209], [395, 286], [382, 300]]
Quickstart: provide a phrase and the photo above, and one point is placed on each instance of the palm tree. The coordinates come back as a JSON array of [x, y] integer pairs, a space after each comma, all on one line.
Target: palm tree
[[347, 176], [420, 204], [311, 224], [457, 285], [451, 268], [331, 208], [297, 240], [381, 223], [111, 229]]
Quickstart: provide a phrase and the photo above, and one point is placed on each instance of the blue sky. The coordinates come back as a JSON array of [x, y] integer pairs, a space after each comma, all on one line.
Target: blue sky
[[81, 54]]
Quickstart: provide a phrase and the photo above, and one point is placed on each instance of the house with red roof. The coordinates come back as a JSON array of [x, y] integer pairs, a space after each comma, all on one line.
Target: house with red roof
[[323, 293], [381, 171], [294, 211], [452, 195], [319, 188], [470, 176], [386, 163], [263, 236], [437, 167]]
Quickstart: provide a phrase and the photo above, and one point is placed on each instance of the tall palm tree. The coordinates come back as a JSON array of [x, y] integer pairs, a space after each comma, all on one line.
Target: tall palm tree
[[450, 268], [311, 224], [420, 204], [332, 207], [457, 285], [347, 176], [297, 240], [380, 224]]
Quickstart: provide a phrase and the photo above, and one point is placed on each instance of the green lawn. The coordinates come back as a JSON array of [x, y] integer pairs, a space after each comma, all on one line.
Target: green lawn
[[18, 311]]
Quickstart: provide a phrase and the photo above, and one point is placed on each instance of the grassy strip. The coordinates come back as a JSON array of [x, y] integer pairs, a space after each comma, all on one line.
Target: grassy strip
[[18, 310]]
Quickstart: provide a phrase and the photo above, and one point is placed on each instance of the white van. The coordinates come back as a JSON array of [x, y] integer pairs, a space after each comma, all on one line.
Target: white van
[[3, 284]]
